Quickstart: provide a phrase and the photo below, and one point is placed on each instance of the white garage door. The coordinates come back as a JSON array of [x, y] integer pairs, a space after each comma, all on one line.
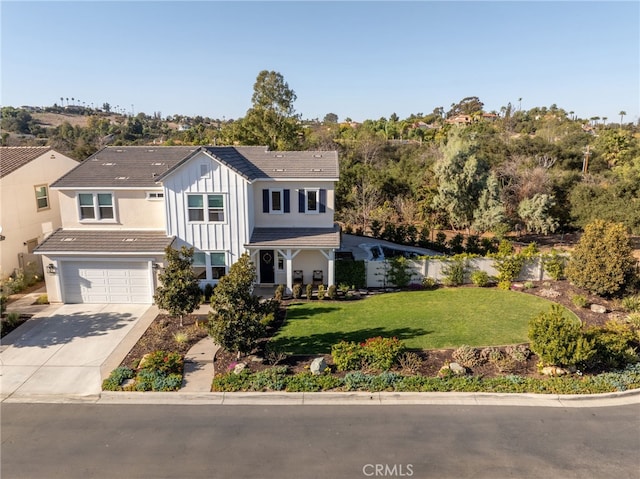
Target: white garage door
[[106, 282]]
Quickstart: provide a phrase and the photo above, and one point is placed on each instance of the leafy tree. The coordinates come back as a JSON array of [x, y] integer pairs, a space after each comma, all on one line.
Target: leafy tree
[[536, 213], [490, 212], [467, 106], [271, 120], [236, 314], [330, 118], [602, 261], [178, 293], [461, 177]]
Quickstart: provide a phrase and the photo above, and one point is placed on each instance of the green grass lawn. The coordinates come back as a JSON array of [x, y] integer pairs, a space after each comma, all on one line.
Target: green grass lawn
[[444, 318]]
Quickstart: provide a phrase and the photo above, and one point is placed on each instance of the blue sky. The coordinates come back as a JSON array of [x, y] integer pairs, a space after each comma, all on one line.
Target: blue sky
[[356, 59]]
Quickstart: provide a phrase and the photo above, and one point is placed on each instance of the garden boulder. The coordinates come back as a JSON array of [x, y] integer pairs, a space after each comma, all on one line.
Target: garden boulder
[[318, 366]]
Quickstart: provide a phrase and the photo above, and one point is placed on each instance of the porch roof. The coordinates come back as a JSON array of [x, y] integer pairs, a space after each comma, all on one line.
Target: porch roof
[[304, 238], [105, 242]]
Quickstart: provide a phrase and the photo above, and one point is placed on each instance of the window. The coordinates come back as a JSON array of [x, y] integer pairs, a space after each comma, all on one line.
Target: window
[[155, 195], [196, 207], [280, 262], [42, 197], [213, 263], [276, 201], [218, 265], [96, 206], [312, 201], [200, 265]]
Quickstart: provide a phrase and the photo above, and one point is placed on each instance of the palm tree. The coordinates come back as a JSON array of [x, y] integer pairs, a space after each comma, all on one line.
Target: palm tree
[[62, 101], [67, 101], [604, 119], [73, 100], [622, 114], [571, 113]]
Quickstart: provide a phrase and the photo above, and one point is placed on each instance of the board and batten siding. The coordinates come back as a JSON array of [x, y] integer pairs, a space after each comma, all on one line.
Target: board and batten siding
[[230, 235]]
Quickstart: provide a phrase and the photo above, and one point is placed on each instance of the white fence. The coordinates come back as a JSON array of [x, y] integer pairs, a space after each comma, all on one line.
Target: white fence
[[377, 271]]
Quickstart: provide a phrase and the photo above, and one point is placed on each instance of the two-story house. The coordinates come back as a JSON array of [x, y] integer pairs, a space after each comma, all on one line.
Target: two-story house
[[123, 205], [28, 208]]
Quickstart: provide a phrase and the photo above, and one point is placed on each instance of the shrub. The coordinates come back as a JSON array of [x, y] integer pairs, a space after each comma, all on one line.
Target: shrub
[[613, 343], [381, 353], [385, 381], [579, 301], [480, 278], [231, 382], [410, 362], [429, 283], [631, 304], [558, 341], [492, 355], [347, 356], [303, 382], [504, 284], [207, 292], [554, 265], [267, 319], [279, 293], [351, 273], [12, 319], [163, 362], [3, 303], [272, 379], [116, 378], [529, 285], [309, 291], [181, 337], [399, 272], [332, 292], [633, 319], [454, 272], [274, 355], [357, 380], [467, 356], [42, 299], [296, 291], [602, 261], [321, 292], [519, 353]]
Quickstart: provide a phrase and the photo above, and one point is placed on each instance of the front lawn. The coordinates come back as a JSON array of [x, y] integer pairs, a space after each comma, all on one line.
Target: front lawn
[[444, 318]]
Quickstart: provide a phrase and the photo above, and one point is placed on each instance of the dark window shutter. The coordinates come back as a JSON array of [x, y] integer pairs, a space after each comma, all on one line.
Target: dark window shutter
[[323, 201], [301, 201], [287, 201], [265, 201]]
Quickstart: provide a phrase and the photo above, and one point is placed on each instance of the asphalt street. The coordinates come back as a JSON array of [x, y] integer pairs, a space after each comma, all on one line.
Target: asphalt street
[[422, 441]]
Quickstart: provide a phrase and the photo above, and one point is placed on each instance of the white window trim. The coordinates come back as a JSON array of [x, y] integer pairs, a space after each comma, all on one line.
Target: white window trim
[[306, 201], [280, 258], [205, 206], [271, 210], [96, 207], [47, 196], [155, 195]]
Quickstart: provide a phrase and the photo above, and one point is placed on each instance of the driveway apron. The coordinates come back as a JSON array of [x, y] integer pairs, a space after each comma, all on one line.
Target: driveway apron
[[60, 353]]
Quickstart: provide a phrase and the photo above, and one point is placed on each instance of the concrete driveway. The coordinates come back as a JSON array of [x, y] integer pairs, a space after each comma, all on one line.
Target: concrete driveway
[[60, 352]]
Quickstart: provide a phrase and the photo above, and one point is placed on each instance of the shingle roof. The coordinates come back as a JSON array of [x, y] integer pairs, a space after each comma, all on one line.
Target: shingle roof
[[296, 237], [14, 157], [144, 166], [105, 241]]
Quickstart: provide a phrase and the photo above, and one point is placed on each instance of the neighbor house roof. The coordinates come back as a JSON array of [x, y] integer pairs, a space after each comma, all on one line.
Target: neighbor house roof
[[146, 166], [14, 157], [296, 237], [105, 242]]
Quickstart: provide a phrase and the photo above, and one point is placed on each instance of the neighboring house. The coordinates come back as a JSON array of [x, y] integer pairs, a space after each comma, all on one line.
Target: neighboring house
[[122, 206], [28, 208]]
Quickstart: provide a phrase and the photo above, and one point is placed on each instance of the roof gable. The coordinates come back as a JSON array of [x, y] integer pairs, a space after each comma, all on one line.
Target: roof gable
[[15, 157]]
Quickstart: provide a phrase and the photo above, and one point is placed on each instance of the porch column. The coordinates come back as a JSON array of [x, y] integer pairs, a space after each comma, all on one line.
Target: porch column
[[288, 256], [331, 256]]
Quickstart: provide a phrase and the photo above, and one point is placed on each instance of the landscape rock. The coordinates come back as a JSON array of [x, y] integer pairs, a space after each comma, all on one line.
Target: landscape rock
[[256, 359], [318, 366], [597, 308], [457, 368], [144, 360], [239, 368], [554, 371]]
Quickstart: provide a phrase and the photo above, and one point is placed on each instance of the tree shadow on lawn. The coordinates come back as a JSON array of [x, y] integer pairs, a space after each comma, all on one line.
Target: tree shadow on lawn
[[321, 343]]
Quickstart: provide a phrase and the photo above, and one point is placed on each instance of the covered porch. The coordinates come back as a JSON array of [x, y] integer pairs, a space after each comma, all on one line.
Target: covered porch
[[294, 255]]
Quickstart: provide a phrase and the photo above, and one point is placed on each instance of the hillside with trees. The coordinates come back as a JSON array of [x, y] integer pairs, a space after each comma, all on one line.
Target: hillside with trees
[[542, 170]]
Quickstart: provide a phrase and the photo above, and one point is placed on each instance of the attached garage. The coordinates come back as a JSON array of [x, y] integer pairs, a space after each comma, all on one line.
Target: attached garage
[[106, 282]]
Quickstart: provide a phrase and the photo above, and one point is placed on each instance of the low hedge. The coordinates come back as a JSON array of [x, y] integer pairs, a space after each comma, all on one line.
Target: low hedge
[[623, 380]]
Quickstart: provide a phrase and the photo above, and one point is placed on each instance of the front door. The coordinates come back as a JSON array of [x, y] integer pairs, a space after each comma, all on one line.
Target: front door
[[267, 270]]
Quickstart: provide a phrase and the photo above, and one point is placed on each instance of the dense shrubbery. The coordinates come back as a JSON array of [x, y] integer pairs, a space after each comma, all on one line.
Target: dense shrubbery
[[375, 353], [157, 371]]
